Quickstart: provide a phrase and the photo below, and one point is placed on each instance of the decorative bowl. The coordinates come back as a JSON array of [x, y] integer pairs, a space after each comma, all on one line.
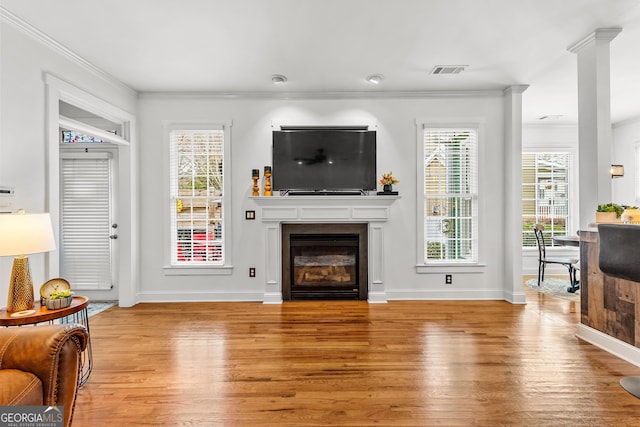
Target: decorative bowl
[[631, 216], [54, 304]]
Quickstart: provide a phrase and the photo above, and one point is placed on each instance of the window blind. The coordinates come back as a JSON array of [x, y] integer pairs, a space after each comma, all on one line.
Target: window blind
[[450, 194], [197, 158], [86, 223]]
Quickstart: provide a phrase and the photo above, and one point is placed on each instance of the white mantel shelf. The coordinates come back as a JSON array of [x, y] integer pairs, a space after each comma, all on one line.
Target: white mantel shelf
[[275, 210], [267, 200]]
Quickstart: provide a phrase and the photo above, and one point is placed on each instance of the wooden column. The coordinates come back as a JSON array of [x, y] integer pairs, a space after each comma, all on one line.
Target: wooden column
[[594, 121], [608, 304]]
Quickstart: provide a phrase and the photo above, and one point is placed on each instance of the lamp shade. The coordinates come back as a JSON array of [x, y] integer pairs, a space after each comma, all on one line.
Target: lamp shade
[[22, 234]]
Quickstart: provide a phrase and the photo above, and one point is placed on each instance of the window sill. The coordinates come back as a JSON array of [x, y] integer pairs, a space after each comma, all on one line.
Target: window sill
[[444, 268], [198, 270]]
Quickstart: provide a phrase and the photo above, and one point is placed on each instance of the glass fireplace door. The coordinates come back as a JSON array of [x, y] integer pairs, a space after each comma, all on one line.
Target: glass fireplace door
[[324, 266]]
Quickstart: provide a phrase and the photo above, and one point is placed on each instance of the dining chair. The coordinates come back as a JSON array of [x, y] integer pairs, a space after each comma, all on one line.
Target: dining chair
[[543, 260]]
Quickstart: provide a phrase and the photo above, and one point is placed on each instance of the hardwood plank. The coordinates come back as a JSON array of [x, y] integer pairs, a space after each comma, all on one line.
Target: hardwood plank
[[350, 363]]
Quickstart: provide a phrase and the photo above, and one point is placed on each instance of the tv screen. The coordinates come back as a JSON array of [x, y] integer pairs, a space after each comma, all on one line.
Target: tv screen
[[324, 160]]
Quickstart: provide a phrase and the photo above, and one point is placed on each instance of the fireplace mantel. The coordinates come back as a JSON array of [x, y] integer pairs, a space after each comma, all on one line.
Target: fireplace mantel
[[275, 210], [325, 208]]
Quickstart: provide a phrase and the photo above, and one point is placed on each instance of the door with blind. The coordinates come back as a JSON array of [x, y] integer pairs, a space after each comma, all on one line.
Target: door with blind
[[88, 230]]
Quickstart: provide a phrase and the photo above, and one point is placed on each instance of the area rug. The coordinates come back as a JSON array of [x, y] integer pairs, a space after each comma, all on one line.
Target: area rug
[[553, 286], [98, 307]]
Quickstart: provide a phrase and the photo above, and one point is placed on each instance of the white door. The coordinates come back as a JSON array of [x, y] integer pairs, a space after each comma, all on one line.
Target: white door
[[88, 230]]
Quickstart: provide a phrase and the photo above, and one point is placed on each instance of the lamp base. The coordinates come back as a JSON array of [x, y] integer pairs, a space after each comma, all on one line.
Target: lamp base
[[20, 287]]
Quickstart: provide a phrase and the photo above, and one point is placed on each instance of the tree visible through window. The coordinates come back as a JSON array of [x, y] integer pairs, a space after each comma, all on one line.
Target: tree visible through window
[[545, 187], [450, 195], [197, 213]]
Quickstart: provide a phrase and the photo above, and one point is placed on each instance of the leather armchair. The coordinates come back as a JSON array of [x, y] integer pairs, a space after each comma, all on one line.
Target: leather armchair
[[40, 365]]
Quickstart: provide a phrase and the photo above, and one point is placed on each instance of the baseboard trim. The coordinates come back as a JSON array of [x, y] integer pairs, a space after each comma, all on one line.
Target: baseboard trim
[[373, 298], [462, 295], [377, 297], [200, 296], [609, 344]]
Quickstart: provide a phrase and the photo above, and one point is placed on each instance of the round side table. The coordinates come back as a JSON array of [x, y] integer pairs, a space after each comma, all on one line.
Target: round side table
[[75, 313]]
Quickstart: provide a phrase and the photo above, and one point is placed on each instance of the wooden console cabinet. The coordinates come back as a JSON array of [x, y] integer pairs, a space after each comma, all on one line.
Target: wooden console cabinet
[[608, 304]]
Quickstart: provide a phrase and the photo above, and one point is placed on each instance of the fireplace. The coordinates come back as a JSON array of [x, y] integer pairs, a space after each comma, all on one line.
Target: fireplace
[[370, 214], [324, 261]]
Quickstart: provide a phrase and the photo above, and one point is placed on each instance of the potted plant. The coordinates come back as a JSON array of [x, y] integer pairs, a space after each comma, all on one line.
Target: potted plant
[[387, 182], [608, 213]]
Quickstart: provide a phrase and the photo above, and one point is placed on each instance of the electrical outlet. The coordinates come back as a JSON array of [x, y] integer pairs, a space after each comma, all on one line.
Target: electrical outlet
[[448, 279], [249, 215], [252, 272]]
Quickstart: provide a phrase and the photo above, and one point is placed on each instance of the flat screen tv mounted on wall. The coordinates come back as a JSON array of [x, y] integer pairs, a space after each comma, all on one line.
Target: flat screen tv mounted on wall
[[324, 161]]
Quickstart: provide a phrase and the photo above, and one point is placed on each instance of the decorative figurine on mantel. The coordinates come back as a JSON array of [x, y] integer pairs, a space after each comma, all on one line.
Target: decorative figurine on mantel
[[387, 182], [255, 175], [267, 180]]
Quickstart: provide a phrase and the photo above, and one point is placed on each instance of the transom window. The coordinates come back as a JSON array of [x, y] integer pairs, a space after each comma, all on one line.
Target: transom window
[[197, 194], [450, 195], [545, 195]]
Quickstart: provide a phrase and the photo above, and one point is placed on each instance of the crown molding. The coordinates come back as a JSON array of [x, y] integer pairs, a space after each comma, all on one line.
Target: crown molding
[[600, 34], [515, 89], [324, 95], [537, 125], [31, 31], [627, 122]]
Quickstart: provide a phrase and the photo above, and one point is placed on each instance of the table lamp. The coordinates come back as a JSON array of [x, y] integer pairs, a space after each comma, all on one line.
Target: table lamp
[[22, 234]]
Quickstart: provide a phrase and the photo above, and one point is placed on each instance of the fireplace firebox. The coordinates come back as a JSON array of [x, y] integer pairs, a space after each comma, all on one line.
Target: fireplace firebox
[[324, 261]]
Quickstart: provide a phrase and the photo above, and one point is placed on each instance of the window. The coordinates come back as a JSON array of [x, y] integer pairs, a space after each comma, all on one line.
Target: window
[[198, 197], [545, 187], [450, 181]]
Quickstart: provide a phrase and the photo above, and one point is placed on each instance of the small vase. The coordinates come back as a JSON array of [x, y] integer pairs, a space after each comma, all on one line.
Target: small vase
[[631, 216], [387, 188]]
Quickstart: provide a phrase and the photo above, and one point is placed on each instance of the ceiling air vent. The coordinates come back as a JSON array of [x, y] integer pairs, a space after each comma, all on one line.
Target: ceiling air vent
[[448, 69]]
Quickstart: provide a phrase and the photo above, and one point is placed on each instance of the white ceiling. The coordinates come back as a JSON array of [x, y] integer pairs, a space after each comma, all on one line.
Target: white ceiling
[[235, 46]]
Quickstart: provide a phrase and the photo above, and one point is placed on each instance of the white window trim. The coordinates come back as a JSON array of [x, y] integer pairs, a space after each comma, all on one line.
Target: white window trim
[[444, 267], [58, 90], [574, 220], [206, 269]]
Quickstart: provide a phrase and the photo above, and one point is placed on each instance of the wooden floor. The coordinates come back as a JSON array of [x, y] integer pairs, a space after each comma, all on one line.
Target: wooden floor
[[405, 363]]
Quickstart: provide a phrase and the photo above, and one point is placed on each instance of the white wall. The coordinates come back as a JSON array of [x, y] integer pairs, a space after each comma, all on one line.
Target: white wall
[[626, 139], [22, 118], [23, 158], [251, 148]]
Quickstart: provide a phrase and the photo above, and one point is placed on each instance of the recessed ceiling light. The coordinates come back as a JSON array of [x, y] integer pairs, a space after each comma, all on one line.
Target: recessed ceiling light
[[278, 79], [375, 78], [550, 117]]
